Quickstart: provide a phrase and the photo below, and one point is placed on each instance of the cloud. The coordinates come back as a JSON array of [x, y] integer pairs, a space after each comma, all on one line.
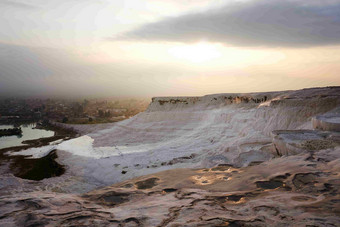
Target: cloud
[[49, 72], [16, 4], [271, 23]]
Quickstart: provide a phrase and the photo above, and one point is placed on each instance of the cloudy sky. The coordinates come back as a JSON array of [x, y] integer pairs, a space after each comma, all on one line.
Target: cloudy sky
[[72, 48]]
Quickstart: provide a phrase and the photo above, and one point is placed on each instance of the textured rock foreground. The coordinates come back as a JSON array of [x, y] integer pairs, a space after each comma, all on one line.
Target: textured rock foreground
[[260, 160], [299, 190]]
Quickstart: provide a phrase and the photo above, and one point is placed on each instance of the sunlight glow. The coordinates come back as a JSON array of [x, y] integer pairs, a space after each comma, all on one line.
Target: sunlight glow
[[197, 53]]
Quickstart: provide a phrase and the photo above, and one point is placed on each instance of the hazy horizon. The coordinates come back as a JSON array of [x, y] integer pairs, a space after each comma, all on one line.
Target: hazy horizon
[[138, 48]]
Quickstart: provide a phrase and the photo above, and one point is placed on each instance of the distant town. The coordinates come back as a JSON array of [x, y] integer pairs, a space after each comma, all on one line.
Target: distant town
[[86, 111]]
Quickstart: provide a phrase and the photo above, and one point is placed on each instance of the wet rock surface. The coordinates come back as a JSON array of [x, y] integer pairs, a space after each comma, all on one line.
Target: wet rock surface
[[148, 183], [285, 191], [289, 179]]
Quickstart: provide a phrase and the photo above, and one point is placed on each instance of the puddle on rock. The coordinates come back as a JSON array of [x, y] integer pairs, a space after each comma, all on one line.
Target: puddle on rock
[[146, 184], [271, 184]]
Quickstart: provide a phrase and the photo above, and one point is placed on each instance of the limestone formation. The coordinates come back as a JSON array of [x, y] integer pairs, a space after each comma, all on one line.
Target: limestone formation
[[260, 159]]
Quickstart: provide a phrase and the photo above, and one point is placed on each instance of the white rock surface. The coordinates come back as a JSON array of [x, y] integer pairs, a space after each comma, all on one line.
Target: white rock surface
[[329, 121], [254, 180], [191, 132]]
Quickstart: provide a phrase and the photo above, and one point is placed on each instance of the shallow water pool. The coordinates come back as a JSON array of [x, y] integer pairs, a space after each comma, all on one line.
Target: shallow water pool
[[29, 132]]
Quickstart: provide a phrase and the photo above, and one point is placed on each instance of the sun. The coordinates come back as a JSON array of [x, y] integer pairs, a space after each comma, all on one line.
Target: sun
[[196, 53]]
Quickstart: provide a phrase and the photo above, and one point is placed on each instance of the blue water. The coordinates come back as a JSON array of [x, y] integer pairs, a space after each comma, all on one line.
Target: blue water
[[28, 133]]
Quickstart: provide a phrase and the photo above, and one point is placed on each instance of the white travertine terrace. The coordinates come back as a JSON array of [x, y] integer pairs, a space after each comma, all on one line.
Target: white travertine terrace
[[191, 132], [219, 160], [328, 122]]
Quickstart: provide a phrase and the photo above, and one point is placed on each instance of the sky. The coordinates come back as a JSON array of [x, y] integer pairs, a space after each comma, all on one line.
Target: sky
[[147, 48]]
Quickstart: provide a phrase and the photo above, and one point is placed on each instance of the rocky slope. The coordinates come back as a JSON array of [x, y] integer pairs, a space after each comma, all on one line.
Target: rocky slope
[[260, 159]]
